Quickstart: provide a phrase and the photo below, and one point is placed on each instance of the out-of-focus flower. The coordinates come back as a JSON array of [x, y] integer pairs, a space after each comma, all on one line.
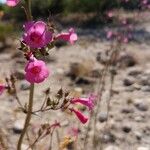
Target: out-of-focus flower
[[36, 34], [89, 102], [12, 3], [70, 36], [110, 14], [36, 71], [73, 131], [109, 34], [80, 116], [2, 88], [125, 40]]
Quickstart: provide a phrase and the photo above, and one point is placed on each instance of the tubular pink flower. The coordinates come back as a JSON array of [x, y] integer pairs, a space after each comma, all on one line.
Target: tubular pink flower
[[2, 88], [80, 116], [36, 71], [70, 36], [12, 3], [89, 102], [36, 34]]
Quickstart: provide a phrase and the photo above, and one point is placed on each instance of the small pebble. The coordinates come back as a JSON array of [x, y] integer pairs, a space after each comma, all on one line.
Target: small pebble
[[102, 116], [24, 85], [18, 126], [111, 147], [126, 128], [141, 105]]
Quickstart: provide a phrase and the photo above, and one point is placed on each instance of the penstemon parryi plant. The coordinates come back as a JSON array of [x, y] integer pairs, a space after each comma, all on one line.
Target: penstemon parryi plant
[[38, 38]]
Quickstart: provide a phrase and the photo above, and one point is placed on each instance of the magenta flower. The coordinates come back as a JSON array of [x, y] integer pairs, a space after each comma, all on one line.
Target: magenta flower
[[70, 36], [36, 34], [80, 116], [12, 3], [2, 88], [36, 71], [88, 102]]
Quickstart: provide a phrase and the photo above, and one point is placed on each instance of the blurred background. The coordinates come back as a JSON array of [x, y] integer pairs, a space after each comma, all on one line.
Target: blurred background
[[77, 68]]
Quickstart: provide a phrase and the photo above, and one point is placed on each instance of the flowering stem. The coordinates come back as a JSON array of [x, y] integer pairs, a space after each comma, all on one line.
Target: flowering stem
[[30, 104], [28, 117], [28, 10]]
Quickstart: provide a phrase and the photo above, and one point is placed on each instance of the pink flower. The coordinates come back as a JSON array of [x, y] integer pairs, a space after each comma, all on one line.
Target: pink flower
[[73, 131], [36, 71], [12, 3], [125, 40], [70, 36], [2, 88], [36, 34], [80, 116], [110, 34], [110, 14], [89, 102]]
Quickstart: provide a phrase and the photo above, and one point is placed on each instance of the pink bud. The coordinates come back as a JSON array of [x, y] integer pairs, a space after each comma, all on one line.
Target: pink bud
[[80, 116], [70, 36], [12, 3]]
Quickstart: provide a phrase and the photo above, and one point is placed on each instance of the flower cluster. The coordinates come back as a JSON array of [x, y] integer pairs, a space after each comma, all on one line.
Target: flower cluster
[[36, 39]]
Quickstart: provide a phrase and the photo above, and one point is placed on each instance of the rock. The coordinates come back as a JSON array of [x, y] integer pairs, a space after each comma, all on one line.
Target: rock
[[102, 57], [145, 88], [128, 81], [60, 71], [127, 110], [65, 123], [138, 119], [19, 74], [126, 128], [135, 71], [127, 60], [144, 80], [18, 126], [111, 147], [143, 148], [141, 105], [25, 85], [108, 137], [102, 117], [138, 135], [84, 80], [136, 86]]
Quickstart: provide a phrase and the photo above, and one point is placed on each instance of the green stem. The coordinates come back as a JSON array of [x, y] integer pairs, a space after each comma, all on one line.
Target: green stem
[[28, 117], [30, 104], [28, 10]]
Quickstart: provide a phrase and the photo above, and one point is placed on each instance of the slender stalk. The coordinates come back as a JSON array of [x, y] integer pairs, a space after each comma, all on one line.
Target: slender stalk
[[28, 117], [31, 95], [28, 10]]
